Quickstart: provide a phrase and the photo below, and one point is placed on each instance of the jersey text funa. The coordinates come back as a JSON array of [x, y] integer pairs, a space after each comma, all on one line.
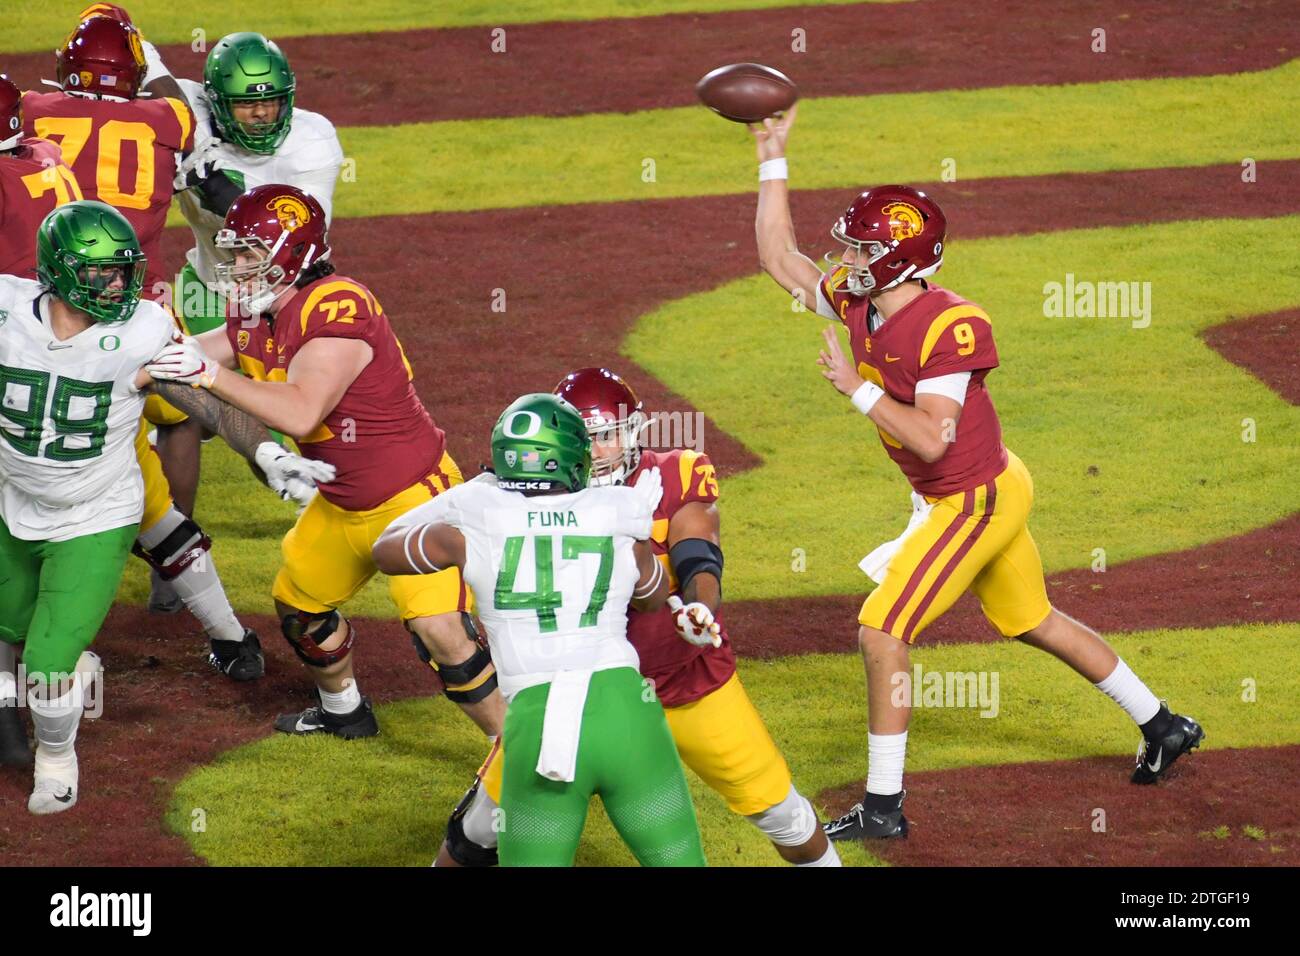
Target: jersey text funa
[[552, 575], [937, 333]]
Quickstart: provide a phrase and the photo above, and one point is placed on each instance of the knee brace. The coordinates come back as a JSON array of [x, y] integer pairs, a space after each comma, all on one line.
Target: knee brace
[[306, 641], [791, 822], [471, 839], [178, 549], [469, 681]]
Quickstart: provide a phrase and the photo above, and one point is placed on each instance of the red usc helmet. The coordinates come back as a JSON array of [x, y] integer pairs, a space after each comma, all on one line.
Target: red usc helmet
[[284, 230], [897, 233], [11, 114], [101, 57], [611, 411], [111, 10]]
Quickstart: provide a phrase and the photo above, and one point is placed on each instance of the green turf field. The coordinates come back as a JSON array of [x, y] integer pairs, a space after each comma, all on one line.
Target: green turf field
[[400, 786], [1072, 393], [167, 22], [1007, 131]]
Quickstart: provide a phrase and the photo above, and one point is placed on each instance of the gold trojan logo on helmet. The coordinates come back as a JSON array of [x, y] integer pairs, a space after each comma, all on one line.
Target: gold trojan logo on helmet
[[137, 51], [904, 220], [291, 211]]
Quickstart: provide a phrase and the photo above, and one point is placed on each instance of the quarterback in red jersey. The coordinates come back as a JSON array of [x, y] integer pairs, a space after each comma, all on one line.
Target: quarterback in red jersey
[[920, 358], [33, 180], [683, 647], [321, 364]]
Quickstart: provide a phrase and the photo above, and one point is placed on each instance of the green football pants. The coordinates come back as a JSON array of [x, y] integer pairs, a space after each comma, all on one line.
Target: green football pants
[[626, 755], [55, 594]]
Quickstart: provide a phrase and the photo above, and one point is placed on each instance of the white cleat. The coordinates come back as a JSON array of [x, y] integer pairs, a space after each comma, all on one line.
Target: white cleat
[[55, 790]]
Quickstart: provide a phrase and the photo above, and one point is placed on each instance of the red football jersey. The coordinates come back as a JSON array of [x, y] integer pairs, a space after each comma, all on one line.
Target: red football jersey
[[123, 154], [33, 181], [378, 437], [681, 672], [937, 333]]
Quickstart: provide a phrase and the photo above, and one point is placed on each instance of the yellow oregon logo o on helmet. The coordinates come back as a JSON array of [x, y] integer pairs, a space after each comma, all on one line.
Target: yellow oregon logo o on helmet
[[904, 220], [291, 211]]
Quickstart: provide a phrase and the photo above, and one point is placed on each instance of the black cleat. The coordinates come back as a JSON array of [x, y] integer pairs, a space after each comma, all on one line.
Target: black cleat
[[459, 846], [870, 824], [316, 720], [15, 751], [238, 660], [163, 598], [1155, 757]]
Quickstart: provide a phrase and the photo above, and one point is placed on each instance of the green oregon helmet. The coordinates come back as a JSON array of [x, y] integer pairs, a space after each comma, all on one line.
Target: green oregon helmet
[[243, 67], [80, 247], [540, 443]]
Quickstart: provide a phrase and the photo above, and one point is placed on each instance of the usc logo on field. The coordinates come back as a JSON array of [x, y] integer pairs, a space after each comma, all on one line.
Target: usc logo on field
[[904, 220], [291, 212]]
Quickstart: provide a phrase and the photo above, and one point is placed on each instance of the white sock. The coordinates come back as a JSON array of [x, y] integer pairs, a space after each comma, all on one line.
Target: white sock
[[55, 722], [886, 754], [344, 702], [199, 585], [829, 858], [200, 588], [1126, 689]]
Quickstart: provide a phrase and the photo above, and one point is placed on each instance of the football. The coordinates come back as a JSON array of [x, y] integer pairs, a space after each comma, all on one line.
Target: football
[[746, 92]]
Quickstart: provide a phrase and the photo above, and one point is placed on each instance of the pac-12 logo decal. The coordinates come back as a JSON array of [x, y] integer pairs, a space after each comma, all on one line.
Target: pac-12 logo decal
[[904, 220], [291, 211], [511, 457], [242, 339]]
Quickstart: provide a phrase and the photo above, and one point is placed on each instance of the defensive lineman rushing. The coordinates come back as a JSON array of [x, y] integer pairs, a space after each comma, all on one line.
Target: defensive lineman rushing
[[682, 649], [72, 350], [920, 356], [123, 150], [557, 564]]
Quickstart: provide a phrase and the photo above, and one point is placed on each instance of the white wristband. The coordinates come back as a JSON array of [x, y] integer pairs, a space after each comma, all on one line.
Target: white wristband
[[773, 169], [865, 398]]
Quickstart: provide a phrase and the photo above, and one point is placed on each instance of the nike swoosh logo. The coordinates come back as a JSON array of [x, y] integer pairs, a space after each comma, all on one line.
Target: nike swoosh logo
[[1160, 759], [54, 346], [302, 726], [65, 796], [893, 358]]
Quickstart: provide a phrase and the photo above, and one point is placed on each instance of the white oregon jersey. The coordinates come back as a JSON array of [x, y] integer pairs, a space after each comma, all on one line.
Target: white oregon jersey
[[552, 575], [309, 158], [68, 417]]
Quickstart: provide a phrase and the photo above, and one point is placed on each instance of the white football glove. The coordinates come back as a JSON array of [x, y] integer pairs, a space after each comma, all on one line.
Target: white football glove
[[197, 165], [649, 489], [695, 623], [183, 360], [291, 476]]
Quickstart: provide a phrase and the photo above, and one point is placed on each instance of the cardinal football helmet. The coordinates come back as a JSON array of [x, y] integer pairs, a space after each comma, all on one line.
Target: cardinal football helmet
[[101, 57], [284, 228], [610, 409], [11, 114], [896, 232]]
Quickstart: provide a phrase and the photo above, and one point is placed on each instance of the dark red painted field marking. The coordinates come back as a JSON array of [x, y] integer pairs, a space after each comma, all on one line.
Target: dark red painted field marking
[[555, 69], [1042, 814], [1267, 346]]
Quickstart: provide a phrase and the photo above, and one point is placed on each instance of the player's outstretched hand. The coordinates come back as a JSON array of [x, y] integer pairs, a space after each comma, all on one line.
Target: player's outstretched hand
[[695, 623], [649, 489], [771, 136], [183, 360], [291, 476], [837, 369]]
